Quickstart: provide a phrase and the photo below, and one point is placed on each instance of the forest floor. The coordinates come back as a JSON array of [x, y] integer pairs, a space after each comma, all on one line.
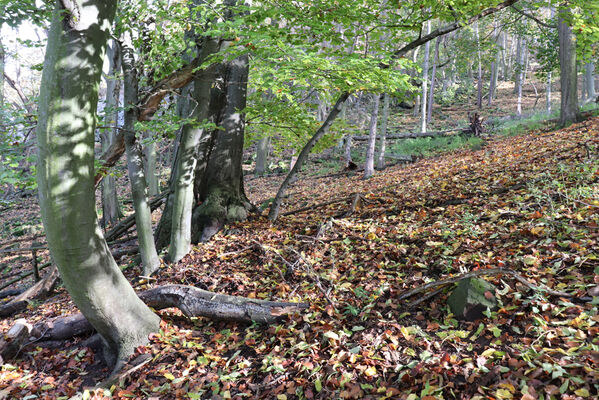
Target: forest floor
[[528, 203]]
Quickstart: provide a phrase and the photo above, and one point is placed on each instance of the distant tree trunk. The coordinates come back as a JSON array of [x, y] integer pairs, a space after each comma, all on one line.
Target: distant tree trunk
[[423, 100], [590, 80], [383, 134], [183, 200], [369, 163], [479, 95], [150, 167], [262, 155], [139, 187], [520, 72], [347, 149], [65, 132], [431, 95], [110, 205], [548, 93], [494, 66], [2, 61], [414, 73], [568, 74]]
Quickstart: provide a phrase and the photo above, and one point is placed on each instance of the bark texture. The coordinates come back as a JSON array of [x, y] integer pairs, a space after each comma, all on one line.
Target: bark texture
[[65, 132], [568, 73], [369, 164]]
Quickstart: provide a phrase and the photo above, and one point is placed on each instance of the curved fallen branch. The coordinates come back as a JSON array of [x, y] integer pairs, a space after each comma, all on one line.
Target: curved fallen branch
[[193, 302]]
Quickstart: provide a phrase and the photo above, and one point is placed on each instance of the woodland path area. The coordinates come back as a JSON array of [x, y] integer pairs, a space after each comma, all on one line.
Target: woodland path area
[[527, 203]]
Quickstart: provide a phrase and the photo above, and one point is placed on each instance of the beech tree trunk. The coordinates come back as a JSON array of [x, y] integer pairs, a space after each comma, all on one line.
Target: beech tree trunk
[[139, 187], [590, 80], [2, 63], [383, 137], [423, 100], [431, 95], [65, 132], [110, 205], [568, 73], [149, 152], [187, 158], [520, 72], [369, 164], [262, 148], [479, 95]]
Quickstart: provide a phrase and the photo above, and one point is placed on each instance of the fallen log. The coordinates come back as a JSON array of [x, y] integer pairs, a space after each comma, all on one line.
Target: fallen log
[[38, 291], [193, 302]]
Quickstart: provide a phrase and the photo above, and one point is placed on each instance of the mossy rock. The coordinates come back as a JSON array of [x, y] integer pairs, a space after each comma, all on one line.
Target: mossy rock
[[471, 298]]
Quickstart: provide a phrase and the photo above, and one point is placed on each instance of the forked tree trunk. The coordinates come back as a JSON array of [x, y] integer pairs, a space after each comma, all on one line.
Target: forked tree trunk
[[369, 164], [65, 131], [568, 78], [219, 183], [139, 187], [110, 205], [383, 138]]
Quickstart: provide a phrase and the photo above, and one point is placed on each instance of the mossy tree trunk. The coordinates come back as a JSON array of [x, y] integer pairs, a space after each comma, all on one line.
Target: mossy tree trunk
[[139, 187], [65, 132]]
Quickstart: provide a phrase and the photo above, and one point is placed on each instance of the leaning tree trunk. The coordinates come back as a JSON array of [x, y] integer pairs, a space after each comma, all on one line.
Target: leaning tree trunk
[[110, 205], [369, 164], [139, 187], [187, 159], [383, 138], [65, 132], [568, 81]]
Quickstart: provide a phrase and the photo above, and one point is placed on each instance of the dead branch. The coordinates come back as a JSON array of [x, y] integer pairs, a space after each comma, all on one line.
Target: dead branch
[[193, 302], [38, 291], [485, 272], [123, 226]]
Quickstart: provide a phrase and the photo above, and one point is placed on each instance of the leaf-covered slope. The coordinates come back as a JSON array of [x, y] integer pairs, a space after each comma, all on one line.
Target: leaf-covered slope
[[528, 203]]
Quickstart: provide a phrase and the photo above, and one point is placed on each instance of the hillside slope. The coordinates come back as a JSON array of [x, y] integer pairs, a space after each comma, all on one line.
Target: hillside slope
[[528, 203]]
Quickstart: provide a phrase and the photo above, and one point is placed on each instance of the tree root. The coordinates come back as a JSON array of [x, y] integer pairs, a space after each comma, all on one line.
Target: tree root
[[193, 302]]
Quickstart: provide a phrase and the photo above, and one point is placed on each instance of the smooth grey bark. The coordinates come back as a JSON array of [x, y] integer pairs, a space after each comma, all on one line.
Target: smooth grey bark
[[590, 80], [65, 132], [568, 73], [149, 151], [369, 163], [262, 148], [431, 94], [183, 201], [423, 100], [383, 136], [347, 143], [139, 188], [520, 72], [111, 212], [303, 156], [548, 93], [494, 66]]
